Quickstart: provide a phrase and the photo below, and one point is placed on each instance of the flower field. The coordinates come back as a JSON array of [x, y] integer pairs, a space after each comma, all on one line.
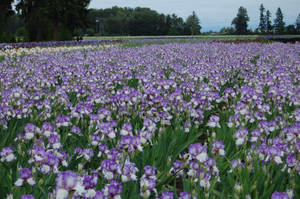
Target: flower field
[[4, 46], [179, 120]]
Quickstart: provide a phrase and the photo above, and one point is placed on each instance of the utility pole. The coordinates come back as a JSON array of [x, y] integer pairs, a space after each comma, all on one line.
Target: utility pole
[[97, 28], [101, 26]]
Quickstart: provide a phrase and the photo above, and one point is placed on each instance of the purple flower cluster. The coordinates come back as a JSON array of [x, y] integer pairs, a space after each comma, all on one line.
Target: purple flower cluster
[[25, 175], [7, 154], [93, 119], [148, 182]]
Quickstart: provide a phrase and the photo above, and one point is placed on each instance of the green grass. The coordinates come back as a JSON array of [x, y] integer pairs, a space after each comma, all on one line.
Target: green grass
[[177, 38], [209, 37], [2, 58], [137, 44], [198, 37]]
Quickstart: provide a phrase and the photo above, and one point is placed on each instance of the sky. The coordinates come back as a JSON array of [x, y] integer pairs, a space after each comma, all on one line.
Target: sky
[[213, 14]]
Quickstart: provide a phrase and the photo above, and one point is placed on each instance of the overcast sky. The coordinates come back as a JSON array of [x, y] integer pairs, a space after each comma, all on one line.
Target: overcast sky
[[213, 14]]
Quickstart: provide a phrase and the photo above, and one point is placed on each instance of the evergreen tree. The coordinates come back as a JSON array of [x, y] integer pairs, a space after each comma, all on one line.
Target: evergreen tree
[[262, 19], [298, 24], [268, 22], [278, 22], [177, 25], [240, 22], [192, 24]]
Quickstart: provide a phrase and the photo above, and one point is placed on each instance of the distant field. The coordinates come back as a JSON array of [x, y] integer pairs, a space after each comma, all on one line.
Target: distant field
[[200, 37]]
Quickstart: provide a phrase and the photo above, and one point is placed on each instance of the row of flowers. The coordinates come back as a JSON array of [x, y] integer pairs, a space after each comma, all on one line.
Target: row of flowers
[[4, 46]]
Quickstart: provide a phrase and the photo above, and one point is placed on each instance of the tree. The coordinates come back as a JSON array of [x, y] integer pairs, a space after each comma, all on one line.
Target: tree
[[240, 22], [143, 21], [138, 21], [262, 19], [192, 24], [164, 24], [5, 13], [298, 24], [227, 31], [290, 29], [52, 19], [177, 25], [34, 14], [278, 22], [268, 22]]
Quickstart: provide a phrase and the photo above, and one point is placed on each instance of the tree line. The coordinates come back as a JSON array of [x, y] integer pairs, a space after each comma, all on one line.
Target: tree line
[[45, 20], [139, 21], [265, 26]]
